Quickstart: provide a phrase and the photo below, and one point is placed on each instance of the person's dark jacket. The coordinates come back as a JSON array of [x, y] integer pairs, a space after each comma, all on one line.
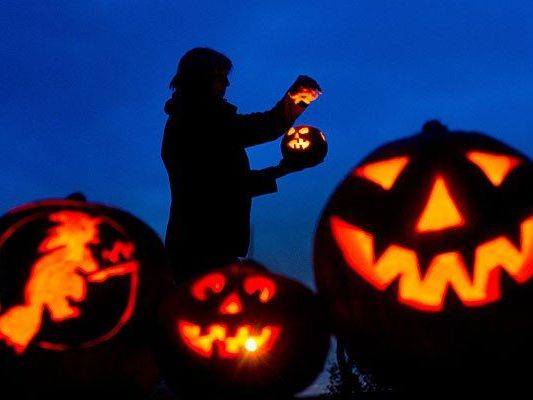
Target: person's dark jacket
[[210, 177]]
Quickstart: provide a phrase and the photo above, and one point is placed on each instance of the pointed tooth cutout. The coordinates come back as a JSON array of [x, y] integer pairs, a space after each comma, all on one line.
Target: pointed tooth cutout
[[384, 173], [495, 166], [440, 212]]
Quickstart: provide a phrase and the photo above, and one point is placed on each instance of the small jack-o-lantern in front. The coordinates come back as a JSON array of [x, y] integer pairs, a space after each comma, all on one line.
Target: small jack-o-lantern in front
[[304, 144], [72, 274], [242, 330], [425, 255]]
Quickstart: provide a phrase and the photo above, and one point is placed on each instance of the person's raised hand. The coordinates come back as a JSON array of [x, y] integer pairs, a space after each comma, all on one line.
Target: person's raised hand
[[304, 90]]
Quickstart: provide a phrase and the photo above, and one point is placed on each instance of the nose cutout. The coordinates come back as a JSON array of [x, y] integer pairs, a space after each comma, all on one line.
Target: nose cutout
[[231, 305], [440, 212]]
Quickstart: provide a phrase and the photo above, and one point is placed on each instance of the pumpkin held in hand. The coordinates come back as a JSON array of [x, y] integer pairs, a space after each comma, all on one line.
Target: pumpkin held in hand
[[79, 283], [242, 330], [425, 256], [304, 145]]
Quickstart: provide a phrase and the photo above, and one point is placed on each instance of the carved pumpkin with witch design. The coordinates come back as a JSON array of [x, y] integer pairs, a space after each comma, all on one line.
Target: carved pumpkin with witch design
[[77, 283], [242, 330], [425, 255]]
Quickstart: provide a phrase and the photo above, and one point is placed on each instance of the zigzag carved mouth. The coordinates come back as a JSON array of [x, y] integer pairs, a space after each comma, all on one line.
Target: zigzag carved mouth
[[245, 340], [428, 292]]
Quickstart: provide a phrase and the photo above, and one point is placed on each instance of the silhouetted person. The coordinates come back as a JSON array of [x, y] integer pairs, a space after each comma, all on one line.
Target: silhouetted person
[[204, 154]]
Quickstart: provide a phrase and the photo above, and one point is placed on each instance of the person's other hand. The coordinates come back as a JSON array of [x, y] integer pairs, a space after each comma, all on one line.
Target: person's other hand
[[287, 166], [304, 90]]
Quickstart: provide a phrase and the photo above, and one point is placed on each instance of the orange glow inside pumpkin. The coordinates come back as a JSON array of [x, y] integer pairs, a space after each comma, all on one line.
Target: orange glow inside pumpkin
[[304, 95], [214, 282], [298, 144], [446, 270], [59, 277], [440, 211], [495, 166], [231, 304], [265, 286], [300, 139], [245, 341], [384, 173]]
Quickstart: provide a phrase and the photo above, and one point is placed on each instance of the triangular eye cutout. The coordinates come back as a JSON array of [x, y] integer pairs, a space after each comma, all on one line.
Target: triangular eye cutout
[[495, 166], [440, 211], [384, 173]]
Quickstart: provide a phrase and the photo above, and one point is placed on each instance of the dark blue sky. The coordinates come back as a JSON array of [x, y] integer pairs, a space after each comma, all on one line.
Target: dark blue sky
[[83, 85]]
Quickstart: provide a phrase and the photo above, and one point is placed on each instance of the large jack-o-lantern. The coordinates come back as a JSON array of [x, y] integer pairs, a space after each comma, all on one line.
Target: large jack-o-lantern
[[425, 255], [78, 285], [244, 331], [304, 145]]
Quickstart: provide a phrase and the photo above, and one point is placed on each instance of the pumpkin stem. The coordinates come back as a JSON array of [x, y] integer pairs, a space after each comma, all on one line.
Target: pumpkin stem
[[434, 127], [78, 196]]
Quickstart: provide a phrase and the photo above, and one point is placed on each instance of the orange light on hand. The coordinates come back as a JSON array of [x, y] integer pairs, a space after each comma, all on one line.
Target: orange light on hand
[[304, 95]]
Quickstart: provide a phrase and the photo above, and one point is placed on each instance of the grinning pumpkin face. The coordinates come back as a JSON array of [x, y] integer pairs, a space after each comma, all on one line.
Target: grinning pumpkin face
[[430, 217], [229, 338], [242, 329], [304, 144], [437, 224]]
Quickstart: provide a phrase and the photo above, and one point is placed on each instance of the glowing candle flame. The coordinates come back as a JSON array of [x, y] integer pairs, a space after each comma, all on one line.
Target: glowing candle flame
[[251, 345]]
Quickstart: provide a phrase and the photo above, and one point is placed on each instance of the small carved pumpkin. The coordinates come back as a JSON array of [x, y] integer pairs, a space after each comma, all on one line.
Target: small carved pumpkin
[[242, 330], [78, 282], [425, 255], [304, 145]]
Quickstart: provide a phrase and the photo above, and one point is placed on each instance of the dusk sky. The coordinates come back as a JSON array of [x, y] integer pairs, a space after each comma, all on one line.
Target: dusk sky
[[83, 84]]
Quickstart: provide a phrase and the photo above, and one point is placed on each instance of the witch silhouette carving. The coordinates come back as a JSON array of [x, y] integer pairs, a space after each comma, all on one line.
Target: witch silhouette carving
[[62, 281], [204, 152]]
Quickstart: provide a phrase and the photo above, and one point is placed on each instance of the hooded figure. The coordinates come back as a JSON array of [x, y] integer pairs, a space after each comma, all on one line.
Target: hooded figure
[[204, 152]]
